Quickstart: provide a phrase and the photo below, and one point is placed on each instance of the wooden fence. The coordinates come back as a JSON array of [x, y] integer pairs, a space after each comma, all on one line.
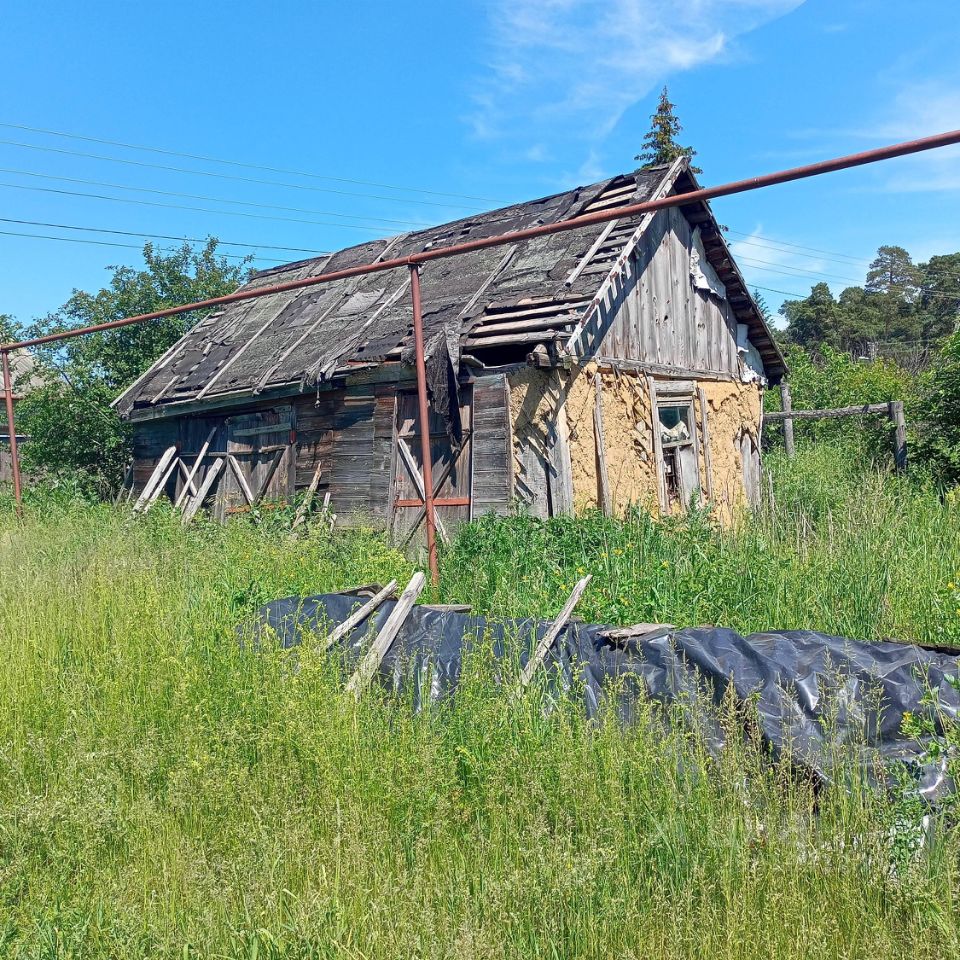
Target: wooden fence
[[892, 410]]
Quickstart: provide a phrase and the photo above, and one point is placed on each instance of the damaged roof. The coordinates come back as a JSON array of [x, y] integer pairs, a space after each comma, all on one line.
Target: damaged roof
[[306, 336]]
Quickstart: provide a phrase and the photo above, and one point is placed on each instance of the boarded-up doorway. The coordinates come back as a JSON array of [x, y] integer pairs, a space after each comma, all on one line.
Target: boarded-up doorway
[[260, 450], [452, 469]]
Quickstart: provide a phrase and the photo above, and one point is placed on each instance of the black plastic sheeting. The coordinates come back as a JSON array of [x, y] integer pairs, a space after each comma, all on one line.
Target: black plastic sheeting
[[814, 695]]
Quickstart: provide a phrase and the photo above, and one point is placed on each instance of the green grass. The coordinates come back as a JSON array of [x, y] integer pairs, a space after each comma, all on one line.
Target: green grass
[[164, 793]]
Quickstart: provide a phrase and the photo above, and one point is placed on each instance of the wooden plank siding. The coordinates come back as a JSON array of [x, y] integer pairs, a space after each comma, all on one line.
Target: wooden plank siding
[[492, 446], [350, 432], [659, 316]]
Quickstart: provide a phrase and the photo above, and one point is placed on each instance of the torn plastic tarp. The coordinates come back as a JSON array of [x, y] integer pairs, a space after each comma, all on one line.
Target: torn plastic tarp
[[814, 696]]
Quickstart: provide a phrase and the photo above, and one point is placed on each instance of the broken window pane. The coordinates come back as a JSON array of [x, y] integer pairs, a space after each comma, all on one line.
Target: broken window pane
[[675, 423]]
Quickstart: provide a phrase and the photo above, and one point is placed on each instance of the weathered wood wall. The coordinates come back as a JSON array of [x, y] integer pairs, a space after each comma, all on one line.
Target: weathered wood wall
[[350, 433], [659, 316]]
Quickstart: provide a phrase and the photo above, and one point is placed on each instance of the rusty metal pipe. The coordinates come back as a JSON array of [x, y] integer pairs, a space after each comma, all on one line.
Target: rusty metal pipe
[[589, 219], [423, 406], [12, 428], [425, 256]]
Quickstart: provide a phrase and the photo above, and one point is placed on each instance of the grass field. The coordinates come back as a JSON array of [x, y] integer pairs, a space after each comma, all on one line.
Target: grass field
[[163, 793]]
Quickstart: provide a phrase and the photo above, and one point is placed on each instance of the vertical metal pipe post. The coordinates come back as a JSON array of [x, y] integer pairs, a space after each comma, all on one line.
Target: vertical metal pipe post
[[429, 514], [12, 428]]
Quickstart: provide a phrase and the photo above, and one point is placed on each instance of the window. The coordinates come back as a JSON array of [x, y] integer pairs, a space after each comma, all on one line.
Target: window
[[680, 467]]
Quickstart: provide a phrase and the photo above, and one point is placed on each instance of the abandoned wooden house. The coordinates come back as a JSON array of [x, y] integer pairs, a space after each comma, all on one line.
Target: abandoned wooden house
[[605, 366]]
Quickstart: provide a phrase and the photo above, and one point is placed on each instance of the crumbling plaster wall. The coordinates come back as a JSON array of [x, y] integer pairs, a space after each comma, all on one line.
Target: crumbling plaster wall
[[537, 397]]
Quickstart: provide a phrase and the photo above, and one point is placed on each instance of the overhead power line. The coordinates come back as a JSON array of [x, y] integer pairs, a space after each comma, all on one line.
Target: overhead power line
[[159, 236], [795, 246], [196, 196], [129, 246], [241, 164], [782, 270], [228, 176], [180, 206]]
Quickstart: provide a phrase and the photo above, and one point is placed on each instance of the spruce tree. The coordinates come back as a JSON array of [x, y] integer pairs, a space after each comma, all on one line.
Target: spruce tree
[[660, 144]]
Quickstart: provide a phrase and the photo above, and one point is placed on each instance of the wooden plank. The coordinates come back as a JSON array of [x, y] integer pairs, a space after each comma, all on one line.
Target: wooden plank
[[358, 615], [657, 445], [588, 256], [866, 410], [558, 450], [241, 479], [636, 631], [159, 488], [359, 682], [602, 475], [196, 466], [301, 515], [208, 481], [256, 431], [154, 480], [546, 642], [417, 478], [571, 345], [705, 429], [900, 435]]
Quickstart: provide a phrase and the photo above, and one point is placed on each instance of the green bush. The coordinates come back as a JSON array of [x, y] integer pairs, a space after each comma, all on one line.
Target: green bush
[[937, 434], [833, 378]]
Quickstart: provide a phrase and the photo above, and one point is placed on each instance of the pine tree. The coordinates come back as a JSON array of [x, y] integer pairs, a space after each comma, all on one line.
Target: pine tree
[[660, 144]]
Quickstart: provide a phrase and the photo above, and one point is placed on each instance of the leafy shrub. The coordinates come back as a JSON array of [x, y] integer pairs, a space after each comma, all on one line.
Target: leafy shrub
[[832, 378], [937, 435]]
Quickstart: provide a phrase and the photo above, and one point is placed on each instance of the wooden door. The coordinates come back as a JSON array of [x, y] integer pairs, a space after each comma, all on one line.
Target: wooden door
[[452, 469], [260, 451]]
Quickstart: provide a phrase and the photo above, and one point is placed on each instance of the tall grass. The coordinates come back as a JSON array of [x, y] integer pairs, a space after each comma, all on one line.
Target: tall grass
[[165, 793], [843, 549]]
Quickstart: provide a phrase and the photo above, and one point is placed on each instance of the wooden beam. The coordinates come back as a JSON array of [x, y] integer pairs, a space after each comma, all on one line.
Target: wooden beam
[[158, 489], [543, 647], [589, 255], [636, 631], [301, 515], [158, 471], [900, 435], [707, 458], [657, 445], [866, 410], [417, 478], [359, 682], [196, 503], [662, 370], [196, 467], [241, 479], [358, 615], [788, 441], [606, 502]]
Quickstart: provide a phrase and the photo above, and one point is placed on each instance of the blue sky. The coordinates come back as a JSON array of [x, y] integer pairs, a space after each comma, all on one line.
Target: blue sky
[[421, 113]]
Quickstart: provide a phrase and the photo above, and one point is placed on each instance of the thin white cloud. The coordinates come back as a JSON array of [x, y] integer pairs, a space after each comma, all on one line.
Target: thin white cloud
[[570, 68], [918, 109]]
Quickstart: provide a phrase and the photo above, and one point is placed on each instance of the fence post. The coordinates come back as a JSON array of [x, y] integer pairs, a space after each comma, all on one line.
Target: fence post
[[900, 435], [788, 443]]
